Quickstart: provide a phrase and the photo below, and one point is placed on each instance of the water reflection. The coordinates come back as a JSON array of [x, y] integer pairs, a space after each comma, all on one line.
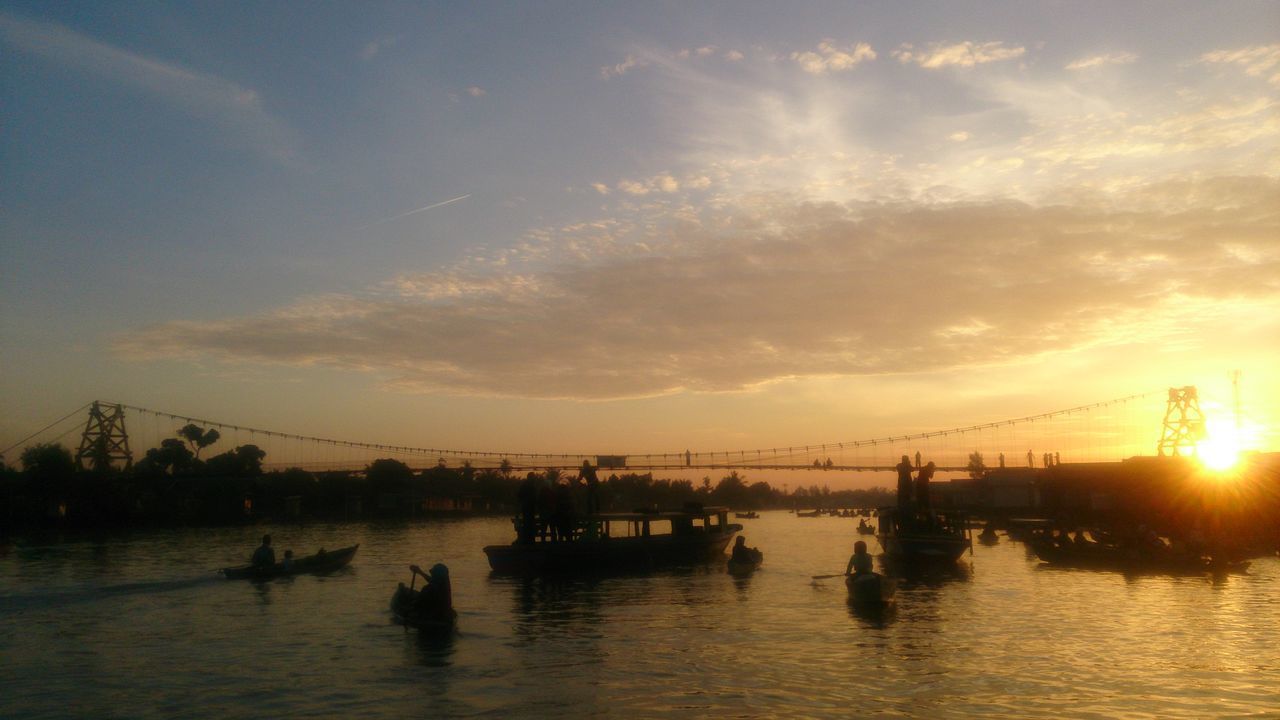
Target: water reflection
[[871, 615]]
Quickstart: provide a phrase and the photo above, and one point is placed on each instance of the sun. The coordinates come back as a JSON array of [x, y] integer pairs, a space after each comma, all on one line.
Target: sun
[[1220, 452]]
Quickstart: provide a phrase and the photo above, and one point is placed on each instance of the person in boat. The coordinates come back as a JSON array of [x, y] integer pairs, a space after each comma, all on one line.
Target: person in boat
[[922, 486], [288, 560], [742, 553], [1079, 539], [264, 556], [527, 494], [989, 532], [435, 600], [587, 474], [904, 483], [860, 561]]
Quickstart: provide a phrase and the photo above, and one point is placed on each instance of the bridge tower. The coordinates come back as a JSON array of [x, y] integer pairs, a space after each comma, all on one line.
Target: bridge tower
[[104, 440], [1183, 423]]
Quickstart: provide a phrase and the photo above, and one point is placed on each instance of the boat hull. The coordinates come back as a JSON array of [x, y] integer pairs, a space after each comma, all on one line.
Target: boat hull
[[742, 568], [403, 604], [1104, 557], [923, 547], [871, 589], [605, 554], [319, 563]]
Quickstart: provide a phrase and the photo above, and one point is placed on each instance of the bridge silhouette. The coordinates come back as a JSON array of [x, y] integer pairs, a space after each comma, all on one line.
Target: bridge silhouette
[[1110, 430]]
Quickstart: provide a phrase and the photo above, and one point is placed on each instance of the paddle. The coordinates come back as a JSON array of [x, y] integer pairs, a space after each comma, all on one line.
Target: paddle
[[824, 577]]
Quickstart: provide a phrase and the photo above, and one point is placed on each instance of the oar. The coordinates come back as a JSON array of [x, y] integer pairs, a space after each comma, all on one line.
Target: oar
[[824, 577]]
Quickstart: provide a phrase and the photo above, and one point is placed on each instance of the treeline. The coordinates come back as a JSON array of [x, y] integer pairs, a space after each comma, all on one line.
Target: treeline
[[172, 485]]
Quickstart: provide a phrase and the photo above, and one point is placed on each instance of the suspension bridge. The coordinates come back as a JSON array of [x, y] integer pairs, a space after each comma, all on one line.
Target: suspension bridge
[[1110, 430]]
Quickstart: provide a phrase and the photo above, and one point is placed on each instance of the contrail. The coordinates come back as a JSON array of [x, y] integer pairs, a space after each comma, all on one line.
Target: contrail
[[415, 212]]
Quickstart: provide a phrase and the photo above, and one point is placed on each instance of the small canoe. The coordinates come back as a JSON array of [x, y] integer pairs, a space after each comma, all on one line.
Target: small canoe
[[321, 562], [745, 567], [871, 589]]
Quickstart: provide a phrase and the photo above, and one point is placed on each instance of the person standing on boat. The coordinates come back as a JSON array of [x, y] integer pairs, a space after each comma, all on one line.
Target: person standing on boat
[[588, 474], [860, 561], [922, 486], [564, 518], [904, 483], [742, 553], [264, 556], [528, 496]]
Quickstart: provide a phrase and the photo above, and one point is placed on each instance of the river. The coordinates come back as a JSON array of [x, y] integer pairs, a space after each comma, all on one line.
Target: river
[[139, 626]]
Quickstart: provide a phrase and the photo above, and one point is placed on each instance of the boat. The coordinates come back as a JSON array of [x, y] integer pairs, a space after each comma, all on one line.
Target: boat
[[747, 515], [321, 562], [742, 568], [609, 542], [1099, 556], [923, 537], [864, 528], [404, 608], [871, 589], [815, 513]]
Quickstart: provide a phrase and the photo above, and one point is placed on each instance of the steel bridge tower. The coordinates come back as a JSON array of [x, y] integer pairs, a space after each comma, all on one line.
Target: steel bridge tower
[[104, 440], [1183, 423]]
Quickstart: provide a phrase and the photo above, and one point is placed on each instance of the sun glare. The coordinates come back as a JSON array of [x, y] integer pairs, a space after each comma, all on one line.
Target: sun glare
[[1219, 453]]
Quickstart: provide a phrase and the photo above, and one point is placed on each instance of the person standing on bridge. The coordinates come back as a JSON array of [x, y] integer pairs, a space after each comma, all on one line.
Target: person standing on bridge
[[904, 483], [528, 496]]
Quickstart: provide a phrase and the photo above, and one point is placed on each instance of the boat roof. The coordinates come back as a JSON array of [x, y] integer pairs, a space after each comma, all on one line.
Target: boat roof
[[705, 512]]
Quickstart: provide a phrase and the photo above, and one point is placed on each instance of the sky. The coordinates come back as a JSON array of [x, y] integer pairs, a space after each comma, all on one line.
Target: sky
[[637, 227]]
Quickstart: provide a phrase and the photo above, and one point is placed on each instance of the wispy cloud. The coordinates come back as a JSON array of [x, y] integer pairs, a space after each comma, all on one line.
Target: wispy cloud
[[1258, 61], [789, 290], [630, 63], [374, 47], [962, 54], [828, 57], [1096, 61], [209, 97]]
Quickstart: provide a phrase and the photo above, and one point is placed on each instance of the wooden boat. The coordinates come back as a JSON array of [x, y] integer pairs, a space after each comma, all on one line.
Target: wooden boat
[[747, 515], [623, 541], [1099, 556], [321, 562], [871, 589], [866, 529], [404, 609], [927, 537], [815, 513], [742, 568]]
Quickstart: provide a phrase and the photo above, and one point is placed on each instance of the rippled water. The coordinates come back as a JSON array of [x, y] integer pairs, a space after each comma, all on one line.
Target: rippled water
[[140, 626]]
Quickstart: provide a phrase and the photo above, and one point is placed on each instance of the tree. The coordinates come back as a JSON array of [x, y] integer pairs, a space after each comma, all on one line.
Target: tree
[[244, 461], [48, 462], [977, 468], [198, 437], [388, 475]]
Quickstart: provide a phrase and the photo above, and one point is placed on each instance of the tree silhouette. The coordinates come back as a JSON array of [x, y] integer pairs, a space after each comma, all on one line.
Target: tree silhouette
[[977, 468], [48, 462], [198, 437]]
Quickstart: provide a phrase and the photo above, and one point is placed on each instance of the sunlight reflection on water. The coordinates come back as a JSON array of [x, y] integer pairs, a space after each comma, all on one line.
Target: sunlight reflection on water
[[140, 626]]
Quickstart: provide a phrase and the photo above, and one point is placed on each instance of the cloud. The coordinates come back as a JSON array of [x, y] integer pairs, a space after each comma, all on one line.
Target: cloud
[[630, 63], [476, 92], [962, 54], [829, 58], [1257, 61], [785, 289], [1095, 61], [371, 50], [201, 95]]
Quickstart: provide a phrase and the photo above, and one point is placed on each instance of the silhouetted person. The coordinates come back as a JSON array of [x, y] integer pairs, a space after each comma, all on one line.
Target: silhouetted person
[[1001, 459], [435, 600], [564, 510], [287, 564], [588, 474], [922, 486], [904, 483], [264, 556], [917, 459], [1057, 458], [1031, 459], [742, 553], [528, 496], [860, 561], [688, 458]]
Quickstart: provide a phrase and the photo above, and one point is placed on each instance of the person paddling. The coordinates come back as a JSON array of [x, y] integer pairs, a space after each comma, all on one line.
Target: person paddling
[[264, 556], [860, 561]]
